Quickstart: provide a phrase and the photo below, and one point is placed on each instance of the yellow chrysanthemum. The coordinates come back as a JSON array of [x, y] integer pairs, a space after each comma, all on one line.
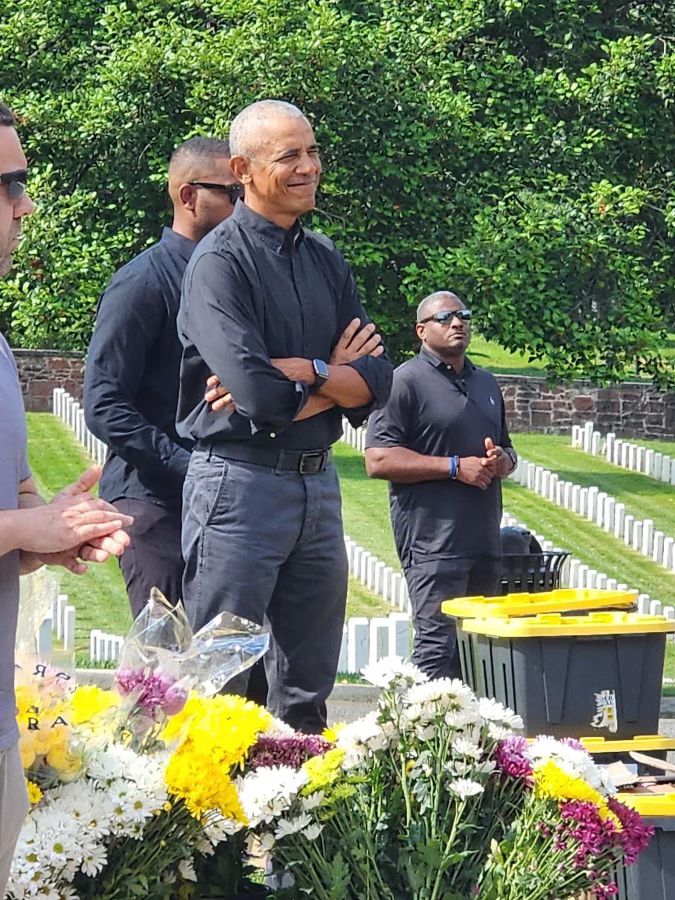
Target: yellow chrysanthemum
[[34, 792], [88, 702], [203, 789], [323, 770], [214, 736], [553, 782], [177, 726], [331, 732]]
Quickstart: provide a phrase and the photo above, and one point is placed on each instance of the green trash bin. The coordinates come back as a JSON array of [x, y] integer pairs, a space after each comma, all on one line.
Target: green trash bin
[[571, 676]]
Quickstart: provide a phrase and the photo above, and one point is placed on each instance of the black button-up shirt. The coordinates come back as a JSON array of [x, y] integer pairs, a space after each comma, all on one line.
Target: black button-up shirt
[[437, 412], [253, 292], [131, 378]]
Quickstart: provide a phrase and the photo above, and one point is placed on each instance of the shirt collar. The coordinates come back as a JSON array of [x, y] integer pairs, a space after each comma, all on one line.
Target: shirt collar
[[178, 243], [281, 240], [436, 361]]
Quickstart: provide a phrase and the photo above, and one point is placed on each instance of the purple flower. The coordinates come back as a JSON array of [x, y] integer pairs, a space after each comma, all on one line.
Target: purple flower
[[293, 750], [635, 835], [152, 690], [512, 758], [593, 836], [174, 700]]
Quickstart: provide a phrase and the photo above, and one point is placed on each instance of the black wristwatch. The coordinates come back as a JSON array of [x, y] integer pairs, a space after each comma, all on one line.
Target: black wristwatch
[[320, 375]]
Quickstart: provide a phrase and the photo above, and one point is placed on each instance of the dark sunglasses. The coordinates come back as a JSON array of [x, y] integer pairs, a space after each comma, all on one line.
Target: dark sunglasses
[[233, 191], [16, 183], [447, 315]]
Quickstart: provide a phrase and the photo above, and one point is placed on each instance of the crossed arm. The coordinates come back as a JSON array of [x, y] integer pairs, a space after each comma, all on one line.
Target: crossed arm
[[345, 387]]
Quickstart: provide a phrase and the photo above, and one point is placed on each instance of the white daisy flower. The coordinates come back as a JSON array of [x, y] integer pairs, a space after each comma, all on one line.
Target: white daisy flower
[[465, 787]]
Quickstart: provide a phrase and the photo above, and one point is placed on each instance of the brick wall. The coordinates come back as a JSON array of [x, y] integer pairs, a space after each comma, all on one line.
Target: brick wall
[[630, 410]]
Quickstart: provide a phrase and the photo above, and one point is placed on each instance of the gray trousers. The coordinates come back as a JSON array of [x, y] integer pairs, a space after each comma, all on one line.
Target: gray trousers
[[268, 545]]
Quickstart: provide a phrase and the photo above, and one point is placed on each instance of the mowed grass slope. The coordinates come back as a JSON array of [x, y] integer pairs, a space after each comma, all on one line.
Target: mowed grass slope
[[99, 597], [644, 497]]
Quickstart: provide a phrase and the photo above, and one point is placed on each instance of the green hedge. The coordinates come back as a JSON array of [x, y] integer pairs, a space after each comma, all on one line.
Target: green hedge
[[518, 151]]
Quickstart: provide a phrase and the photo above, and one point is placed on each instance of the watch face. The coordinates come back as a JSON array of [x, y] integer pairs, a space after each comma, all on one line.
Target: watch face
[[320, 368]]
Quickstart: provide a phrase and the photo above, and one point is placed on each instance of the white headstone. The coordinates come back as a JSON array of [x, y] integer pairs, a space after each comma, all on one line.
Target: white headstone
[[647, 537], [640, 459], [357, 650], [619, 518], [600, 509], [637, 535], [610, 508], [399, 634]]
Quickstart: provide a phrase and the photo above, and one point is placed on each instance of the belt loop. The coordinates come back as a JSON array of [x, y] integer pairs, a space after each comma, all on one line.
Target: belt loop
[[278, 469], [209, 453]]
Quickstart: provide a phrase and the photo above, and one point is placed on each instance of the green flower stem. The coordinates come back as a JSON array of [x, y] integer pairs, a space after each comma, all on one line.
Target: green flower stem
[[459, 810]]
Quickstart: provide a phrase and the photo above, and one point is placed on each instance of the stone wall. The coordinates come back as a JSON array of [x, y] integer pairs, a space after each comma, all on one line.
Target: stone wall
[[40, 371], [630, 410]]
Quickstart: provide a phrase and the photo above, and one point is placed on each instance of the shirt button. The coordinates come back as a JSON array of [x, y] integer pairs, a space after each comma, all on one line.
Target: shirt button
[[273, 434]]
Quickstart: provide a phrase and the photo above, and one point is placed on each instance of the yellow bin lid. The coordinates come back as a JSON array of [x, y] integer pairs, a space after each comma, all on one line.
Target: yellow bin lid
[[641, 743], [557, 625], [561, 600], [650, 804]]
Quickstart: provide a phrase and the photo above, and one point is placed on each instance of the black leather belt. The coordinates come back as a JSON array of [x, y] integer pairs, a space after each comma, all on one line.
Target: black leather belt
[[306, 462]]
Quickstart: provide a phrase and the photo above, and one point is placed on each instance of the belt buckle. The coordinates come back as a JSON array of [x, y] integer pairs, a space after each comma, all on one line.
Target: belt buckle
[[311, 463]]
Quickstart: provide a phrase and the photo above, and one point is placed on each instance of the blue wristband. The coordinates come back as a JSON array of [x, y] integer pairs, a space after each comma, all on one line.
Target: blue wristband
[[453, 467]]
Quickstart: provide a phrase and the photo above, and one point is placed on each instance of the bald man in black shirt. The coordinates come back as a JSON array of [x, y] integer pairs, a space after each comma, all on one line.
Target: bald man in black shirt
[[443, 444], [265, 302]]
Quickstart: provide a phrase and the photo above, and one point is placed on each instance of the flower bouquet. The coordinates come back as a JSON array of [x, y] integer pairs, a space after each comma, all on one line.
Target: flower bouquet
[[133, 789], [435, 796]]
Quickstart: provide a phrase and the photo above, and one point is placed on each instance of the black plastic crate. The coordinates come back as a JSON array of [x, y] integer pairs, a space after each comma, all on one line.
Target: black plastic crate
[[558, 683], [652, 877]]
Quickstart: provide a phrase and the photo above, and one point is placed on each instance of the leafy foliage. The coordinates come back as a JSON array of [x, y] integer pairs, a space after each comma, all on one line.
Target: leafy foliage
[[517, 151]]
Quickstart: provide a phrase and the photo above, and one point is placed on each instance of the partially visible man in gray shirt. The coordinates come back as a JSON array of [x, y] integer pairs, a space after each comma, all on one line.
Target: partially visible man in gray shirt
[[71, 530]]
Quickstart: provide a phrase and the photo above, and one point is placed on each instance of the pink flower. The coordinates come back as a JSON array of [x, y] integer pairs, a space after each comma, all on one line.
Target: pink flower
[[512, 758], [635, 834]]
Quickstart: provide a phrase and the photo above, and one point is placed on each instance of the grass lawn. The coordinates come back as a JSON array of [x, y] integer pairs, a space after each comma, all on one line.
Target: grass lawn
[[56, 459], [497, 359]]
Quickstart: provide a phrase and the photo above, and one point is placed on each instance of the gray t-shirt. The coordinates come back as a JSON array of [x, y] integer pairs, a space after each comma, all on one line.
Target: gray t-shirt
[[13, 470]]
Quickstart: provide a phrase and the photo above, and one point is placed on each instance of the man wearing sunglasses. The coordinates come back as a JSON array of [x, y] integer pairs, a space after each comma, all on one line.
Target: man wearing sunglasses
[[75, 528], [443, 444], [131, 380]]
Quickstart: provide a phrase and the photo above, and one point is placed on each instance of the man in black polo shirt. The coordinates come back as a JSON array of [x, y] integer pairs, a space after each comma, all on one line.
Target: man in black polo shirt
[[264, 304], [131, 379], [443, 443]]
